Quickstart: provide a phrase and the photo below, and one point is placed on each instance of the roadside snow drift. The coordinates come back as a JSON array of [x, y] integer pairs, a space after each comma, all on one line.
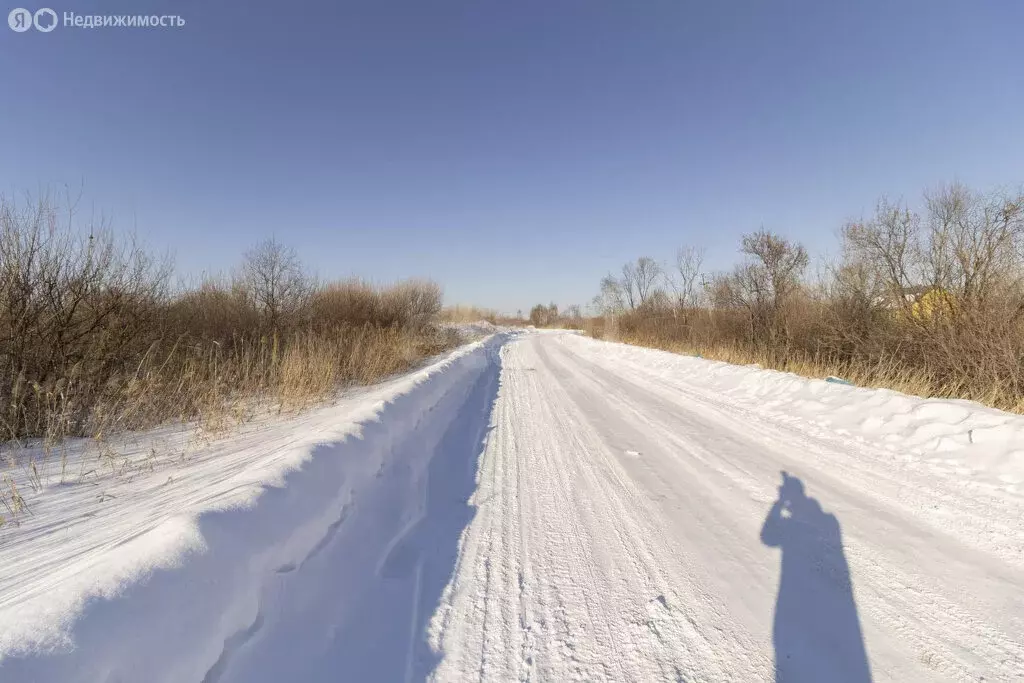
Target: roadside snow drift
[[316, 544]]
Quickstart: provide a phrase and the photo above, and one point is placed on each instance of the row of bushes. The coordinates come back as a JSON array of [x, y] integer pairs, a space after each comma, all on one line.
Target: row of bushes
[[95, 337], [928, 302]]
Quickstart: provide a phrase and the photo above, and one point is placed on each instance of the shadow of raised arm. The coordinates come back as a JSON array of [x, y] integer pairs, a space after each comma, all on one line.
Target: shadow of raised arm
[[816, 631]]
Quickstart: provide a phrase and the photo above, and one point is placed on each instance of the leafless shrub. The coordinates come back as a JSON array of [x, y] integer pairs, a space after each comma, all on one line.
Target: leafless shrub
[[543, 316], [638, 280], [611, 300], [931, 302], [406, 304], [631, 290], [685, 279], [471, 314], [75, 310], [93, 340], [273, 277], [764, 286]]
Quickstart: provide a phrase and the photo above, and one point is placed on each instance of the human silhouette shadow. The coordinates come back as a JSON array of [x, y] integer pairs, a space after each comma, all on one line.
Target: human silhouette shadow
[[817, 632]]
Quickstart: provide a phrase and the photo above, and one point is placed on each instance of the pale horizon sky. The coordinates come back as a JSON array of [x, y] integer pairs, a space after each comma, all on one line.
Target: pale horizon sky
[[514, 152]]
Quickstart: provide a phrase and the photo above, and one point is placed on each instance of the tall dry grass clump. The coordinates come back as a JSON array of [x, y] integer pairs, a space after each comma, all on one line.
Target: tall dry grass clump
[[469, 314], [412, 304], [927, 302], [94, 338]]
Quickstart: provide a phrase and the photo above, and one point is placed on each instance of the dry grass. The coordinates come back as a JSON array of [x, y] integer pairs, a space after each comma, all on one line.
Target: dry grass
[[468, 314], [928, 303], [882, 375], [930, 376], [471, 314], [94, 340], [216, 383]]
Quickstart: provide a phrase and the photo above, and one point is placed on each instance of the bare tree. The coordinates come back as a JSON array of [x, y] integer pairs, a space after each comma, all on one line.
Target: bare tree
[[765, 283], [541, 315], [937, 293], [627, 284], [777, 267], [638, 279], [884, 251], [974, 243], [612, 298], [689, 261], [275, 279], [969, 246], [685, 279], [659, 302]]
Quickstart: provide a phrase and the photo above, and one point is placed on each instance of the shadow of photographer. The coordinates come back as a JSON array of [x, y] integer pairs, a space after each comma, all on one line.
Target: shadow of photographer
[[816, 633]]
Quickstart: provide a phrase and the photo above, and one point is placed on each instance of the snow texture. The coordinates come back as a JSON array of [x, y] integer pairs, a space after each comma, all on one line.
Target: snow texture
[[543, 506], [282, 555]]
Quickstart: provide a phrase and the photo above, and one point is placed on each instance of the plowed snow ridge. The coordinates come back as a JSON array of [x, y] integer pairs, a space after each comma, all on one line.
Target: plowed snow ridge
[[542, 506]]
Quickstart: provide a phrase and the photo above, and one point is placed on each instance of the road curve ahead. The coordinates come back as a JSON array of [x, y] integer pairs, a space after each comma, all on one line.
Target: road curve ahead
[[632, 525]]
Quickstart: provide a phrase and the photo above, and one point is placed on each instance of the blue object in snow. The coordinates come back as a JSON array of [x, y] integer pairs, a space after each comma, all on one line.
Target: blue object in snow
[[839, 380]]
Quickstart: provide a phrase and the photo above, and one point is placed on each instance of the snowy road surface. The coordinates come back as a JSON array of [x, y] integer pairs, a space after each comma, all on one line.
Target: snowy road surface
[[623, 532], [546, 507]]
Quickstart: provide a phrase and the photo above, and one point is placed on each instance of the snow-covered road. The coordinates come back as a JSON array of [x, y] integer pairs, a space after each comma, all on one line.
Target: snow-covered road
[[542, 506], [627, 529]]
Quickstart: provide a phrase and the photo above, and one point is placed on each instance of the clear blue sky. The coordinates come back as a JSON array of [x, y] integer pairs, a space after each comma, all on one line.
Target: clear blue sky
[[514, 150]]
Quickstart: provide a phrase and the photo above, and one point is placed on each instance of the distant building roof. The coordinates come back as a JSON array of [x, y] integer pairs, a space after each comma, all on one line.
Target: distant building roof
[[910, 295]]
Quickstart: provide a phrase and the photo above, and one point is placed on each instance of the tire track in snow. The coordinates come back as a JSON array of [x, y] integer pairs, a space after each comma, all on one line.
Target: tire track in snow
[[928, 611], [595, 565], [616, 538]]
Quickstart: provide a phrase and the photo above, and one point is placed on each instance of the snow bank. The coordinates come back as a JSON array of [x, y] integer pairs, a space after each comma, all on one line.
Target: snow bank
[[236, 564], [474, 331], [981, 445]]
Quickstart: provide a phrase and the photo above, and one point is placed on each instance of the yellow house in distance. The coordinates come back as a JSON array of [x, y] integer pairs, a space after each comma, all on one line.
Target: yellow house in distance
[[920, 303]]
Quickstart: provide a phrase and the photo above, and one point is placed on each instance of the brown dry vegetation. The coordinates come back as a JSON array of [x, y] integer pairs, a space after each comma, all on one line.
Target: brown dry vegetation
[[94, 339], [468, 314], [864, 317], [471, 314]]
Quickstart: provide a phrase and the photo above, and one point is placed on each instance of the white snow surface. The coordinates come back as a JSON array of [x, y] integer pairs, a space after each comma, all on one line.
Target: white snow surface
[[543, 506]]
